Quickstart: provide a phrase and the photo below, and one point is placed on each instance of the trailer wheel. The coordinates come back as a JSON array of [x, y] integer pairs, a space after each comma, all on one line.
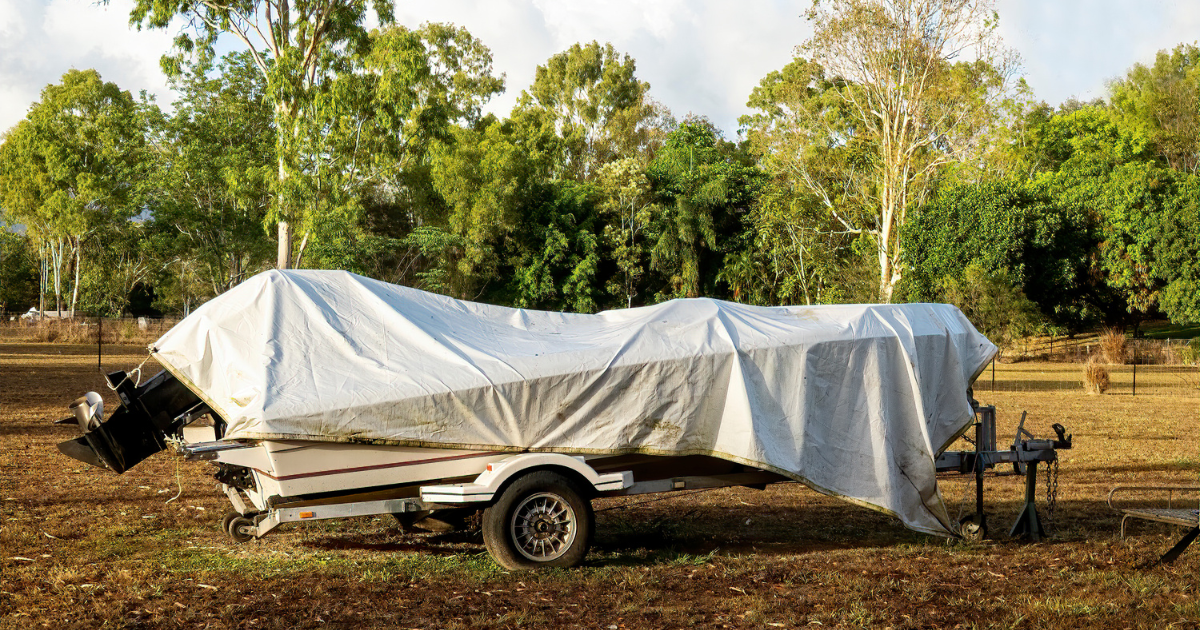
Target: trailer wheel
[[540, 520], [242, 529]]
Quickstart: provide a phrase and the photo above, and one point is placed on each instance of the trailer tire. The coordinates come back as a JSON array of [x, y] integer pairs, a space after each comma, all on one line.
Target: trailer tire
[[540, 520]]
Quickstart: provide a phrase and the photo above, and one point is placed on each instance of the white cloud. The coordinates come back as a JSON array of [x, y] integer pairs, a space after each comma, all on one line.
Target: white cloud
[[1072, 48], [699, 56], [39, 42]]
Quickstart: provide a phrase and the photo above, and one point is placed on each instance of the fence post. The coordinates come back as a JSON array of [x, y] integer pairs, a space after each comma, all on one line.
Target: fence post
[[1135, 362], [99, 341], [993, 375]]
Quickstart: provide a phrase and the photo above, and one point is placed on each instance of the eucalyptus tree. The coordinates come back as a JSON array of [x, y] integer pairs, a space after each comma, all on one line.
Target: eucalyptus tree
[[215, 169], [77, 163], [821, 171], [1162, 101], [408, 92], [297, 46], [590, 100], [626, 197], [918, 81]]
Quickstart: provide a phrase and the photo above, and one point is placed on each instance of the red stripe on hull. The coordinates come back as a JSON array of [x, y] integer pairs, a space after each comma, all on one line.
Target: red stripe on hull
[[375, 467]]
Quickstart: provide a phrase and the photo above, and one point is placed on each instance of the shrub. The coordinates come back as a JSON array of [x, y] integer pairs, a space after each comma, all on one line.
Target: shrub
[[1095, 377], [1113, 345], [992, 303]]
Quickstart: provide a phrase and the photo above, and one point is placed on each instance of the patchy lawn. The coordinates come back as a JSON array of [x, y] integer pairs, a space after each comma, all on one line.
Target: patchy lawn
[[83, 548]]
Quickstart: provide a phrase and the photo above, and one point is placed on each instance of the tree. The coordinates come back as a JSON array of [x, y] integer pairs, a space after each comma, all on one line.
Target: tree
[[408, 93], [588, 98], [297, 46], [211, 190], [488, 180], [820, 170], [555, 252], [796, 255], [1011, 230], [627, 198], [992, 303], [75, 165], [18, 271], [1176, 241], [909, 97], [1163, 102], [701, 188]]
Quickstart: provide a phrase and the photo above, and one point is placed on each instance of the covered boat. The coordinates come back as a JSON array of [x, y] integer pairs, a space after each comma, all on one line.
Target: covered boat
[[856, 401]]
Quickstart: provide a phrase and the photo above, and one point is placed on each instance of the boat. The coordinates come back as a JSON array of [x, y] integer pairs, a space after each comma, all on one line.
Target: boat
[[320, 394]]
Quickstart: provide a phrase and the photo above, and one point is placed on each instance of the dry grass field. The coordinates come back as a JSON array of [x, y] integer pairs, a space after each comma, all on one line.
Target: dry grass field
[[83, 548]]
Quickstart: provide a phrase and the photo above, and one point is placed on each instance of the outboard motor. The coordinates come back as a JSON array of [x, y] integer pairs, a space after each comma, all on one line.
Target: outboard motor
[[148, 415]]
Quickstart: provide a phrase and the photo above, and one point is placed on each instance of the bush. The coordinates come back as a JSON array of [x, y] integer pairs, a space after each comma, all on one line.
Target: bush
[[1113, 346], [1095, 377], [993, 304]]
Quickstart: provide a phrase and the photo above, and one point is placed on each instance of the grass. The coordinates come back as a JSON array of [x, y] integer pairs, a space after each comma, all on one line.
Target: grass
[[1167, 330], [83, 548]]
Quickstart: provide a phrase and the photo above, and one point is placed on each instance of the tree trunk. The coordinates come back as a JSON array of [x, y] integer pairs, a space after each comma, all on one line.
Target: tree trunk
[[56, 254], [285, 124], [75, 287], [283, 259], [300, 251], [42, 272]]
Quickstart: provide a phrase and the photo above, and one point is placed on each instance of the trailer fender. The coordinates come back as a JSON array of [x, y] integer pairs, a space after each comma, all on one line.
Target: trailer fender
[[488, 483]]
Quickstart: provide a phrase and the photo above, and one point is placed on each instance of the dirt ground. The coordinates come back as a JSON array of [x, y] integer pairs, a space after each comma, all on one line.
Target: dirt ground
[[80, 547]]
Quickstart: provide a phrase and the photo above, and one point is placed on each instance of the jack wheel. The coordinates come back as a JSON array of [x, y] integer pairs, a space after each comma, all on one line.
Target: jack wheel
[[227, 519], [242, 529], [971, 530]]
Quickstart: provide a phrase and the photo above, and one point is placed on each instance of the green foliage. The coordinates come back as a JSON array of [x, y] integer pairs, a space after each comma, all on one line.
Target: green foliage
[[627, 203], [122, 257], [487, 180], [18, 272], [1176, 263], [1162, 103], [75, 165], [298, 46], [905, 93], [703, 187], [1004, 227], [212, 187], [796, 255], [588, 100], [989, 299], [556, 251], [378, 121]]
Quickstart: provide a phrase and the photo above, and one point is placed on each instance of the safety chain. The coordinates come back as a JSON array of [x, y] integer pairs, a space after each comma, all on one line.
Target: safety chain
[[962, 503], [1051, 489]]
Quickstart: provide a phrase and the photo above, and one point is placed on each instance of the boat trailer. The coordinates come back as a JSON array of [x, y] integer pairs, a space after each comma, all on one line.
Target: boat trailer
[[153, 414]]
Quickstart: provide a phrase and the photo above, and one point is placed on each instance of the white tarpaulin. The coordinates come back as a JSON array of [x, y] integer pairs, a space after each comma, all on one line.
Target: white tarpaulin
[[854, 400]]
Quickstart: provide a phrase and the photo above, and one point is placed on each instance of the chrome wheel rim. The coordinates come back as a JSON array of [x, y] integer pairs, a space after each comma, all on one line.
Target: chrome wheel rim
[[543, 527]]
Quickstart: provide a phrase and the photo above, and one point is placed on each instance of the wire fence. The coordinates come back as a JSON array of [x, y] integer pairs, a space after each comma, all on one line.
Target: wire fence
[[1129, 379], [84, 329], [1083, 348]]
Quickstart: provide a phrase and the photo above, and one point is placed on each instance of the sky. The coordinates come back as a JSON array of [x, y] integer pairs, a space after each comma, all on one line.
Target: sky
[[700, 56]]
